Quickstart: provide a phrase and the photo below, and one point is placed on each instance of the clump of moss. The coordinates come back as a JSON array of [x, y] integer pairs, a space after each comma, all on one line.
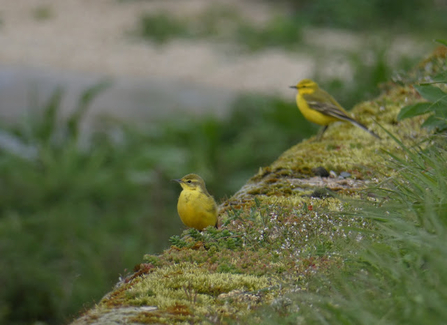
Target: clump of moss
[[223, 238], [275, 236], [195, 290]]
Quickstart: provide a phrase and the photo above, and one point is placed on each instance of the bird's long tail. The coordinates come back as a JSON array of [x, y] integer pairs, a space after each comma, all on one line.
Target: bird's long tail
[[346, 118], [360, 125], [340, 114]]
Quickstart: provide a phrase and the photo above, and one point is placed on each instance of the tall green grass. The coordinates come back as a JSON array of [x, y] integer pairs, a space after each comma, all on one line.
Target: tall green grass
[[398, 275]]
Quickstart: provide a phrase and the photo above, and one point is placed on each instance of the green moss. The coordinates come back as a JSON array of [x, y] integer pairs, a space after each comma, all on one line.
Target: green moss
[[151, 259], [188, 289]]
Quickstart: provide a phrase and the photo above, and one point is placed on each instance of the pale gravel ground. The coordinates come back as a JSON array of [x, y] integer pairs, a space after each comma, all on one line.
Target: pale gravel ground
[[91, 38]]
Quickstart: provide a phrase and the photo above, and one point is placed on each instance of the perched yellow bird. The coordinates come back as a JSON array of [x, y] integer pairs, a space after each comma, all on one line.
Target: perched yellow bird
[[319, 107], [196, 207]]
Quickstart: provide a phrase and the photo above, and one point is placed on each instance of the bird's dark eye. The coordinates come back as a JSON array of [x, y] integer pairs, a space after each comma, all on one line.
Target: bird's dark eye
[[189, 181]]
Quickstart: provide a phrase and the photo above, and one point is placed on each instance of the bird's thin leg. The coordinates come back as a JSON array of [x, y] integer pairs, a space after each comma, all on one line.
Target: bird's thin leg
[[320, 133]]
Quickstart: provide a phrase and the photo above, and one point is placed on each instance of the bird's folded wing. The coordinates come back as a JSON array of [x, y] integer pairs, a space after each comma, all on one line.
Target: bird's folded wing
[[325, 104], [326, 107]]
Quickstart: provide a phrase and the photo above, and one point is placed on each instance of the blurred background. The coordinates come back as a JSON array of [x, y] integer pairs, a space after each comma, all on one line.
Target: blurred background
[[103, 102]]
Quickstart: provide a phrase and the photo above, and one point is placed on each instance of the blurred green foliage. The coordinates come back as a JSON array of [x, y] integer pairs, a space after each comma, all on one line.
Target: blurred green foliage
[[68, 215], [43, 12], [226, 152], [161, 27], [277, 32], [364, 15], [221, 23], [370, 68], [436, 101], [437, 105], [76, 210]]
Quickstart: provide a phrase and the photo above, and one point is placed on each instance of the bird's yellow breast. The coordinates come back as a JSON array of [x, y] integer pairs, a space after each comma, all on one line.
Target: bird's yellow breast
[[196, 209], [311, 114]]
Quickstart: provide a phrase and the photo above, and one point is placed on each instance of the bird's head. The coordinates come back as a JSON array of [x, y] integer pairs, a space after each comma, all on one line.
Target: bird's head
[[306, 84], [192, 182]]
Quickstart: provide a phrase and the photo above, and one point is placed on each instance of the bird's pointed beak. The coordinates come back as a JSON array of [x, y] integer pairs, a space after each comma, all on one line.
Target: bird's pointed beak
[[294, 87], [176, 180]]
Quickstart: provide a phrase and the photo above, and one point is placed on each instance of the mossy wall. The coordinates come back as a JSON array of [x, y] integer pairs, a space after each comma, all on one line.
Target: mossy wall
[[279, 230]]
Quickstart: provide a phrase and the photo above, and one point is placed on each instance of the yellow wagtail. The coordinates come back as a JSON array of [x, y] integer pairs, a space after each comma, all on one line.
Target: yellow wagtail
[[319, 107], [196, 207]]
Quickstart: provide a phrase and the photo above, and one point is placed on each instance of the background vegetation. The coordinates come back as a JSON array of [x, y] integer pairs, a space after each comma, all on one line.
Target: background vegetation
[[397, 15], [76, 211], [285, 31]]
